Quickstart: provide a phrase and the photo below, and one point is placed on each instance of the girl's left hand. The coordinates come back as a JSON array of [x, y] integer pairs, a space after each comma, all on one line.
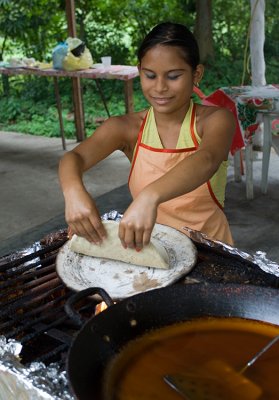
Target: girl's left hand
[[137, 223]]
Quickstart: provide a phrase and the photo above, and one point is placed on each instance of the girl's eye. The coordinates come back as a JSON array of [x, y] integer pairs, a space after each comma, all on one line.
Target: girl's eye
[[150, 75], [173, 77]]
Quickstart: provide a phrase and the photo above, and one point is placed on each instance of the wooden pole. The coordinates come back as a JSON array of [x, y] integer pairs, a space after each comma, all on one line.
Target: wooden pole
[[129, 102], [76, 84], [59, 109]]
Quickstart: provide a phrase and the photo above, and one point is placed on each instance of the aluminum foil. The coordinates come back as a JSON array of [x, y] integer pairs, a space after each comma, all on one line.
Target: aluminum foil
[[33, 382], [112, 215], [21, 253], [259, 258]]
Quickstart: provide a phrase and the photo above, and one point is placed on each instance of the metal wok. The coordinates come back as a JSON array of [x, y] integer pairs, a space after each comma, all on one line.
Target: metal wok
[[103, 336]]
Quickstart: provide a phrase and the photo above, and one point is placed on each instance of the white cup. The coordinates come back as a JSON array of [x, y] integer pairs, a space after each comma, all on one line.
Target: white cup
[[106, 61]]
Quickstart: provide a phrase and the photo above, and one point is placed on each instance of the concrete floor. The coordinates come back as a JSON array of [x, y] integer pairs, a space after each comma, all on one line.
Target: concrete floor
[[30, 194], [31, 202]]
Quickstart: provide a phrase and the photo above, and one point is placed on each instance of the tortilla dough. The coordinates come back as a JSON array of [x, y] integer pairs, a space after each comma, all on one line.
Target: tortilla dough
[[153, 255]]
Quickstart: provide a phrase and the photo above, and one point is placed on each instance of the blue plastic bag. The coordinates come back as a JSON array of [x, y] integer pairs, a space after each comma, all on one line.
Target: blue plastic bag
[[58, 55]]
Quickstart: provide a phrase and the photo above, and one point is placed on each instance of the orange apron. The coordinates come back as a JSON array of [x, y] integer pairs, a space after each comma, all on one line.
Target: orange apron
[[199, 209]]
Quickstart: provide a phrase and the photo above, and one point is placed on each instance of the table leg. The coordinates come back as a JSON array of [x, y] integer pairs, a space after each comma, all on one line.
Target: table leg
[[266, 152], [249, 171], [129, 102], [237, 164], [59, 109], [78, 109]]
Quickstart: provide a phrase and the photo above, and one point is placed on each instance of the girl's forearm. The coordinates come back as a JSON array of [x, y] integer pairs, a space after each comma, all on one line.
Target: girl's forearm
[[70, 172]]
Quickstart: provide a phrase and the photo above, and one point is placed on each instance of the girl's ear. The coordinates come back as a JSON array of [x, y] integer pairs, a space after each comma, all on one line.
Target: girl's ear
[[198, 74]]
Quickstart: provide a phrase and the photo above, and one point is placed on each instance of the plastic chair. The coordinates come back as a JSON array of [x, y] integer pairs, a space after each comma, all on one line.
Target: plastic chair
[[218, 98], [268, 142]]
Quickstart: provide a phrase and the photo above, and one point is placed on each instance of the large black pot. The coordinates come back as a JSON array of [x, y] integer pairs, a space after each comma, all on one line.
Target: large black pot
[[104, 335]]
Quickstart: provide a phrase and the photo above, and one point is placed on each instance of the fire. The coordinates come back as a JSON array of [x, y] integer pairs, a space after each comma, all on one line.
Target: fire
[[100, 307]]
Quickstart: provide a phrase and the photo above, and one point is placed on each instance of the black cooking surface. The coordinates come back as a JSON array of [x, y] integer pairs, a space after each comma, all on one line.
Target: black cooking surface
[[217, 266], [32, 296]]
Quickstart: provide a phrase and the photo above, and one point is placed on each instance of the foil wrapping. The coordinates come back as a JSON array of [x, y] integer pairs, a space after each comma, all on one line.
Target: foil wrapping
[[259, 258], [112, 215], [33, 382], [20, 254]]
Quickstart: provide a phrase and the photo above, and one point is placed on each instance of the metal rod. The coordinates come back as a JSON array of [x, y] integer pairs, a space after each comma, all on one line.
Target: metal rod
[[27, 300], [42, 329], [21, 278], [14, 263], [27, 319], [259, 354], [102, 96], [33, 281], [51, 354]]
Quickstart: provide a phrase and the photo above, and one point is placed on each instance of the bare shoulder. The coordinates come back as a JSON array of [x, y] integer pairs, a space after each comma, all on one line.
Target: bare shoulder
[[118, 133], [211, 116], [212, 112], [127, 124]]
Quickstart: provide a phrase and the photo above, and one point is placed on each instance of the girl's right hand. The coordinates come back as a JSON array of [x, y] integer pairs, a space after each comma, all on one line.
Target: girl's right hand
[[83, 218]]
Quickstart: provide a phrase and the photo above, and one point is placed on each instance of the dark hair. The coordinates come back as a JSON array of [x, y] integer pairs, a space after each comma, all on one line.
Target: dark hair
[[172, 34]]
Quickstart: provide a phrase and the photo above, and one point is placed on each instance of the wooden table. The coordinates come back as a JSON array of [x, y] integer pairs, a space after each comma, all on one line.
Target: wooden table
[[121, 72]]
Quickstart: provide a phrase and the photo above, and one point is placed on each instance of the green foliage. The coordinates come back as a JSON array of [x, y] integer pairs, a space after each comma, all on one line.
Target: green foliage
[[28, 113], [113, 27], [30, 26], [116, 27], [11, 109]]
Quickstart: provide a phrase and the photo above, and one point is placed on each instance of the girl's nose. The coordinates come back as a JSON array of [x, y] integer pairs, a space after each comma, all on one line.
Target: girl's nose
[[161, 85]]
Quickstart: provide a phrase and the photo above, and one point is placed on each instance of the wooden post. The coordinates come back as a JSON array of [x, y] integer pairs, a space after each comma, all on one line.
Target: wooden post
[[59, 109], [76, 84], [128, 89]]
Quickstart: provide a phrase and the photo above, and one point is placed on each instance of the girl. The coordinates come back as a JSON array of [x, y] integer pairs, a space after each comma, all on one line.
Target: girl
[[177, 149]]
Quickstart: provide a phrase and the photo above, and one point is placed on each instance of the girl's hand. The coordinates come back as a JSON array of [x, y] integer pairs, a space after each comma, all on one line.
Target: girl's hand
[[83, 218], [137, 223]]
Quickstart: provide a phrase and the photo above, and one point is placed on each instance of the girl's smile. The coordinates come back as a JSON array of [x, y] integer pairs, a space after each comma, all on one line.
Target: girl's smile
[[162, 100]]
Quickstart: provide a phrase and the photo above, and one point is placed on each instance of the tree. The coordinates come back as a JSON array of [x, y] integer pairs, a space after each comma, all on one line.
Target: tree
[[30, 26], [203, 29]]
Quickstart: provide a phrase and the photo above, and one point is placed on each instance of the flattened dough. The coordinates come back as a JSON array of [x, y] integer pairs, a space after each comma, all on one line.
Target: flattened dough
[[153, 255]]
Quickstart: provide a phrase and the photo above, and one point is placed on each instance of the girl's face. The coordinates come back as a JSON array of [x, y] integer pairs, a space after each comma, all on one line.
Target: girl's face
[[166, 79]]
